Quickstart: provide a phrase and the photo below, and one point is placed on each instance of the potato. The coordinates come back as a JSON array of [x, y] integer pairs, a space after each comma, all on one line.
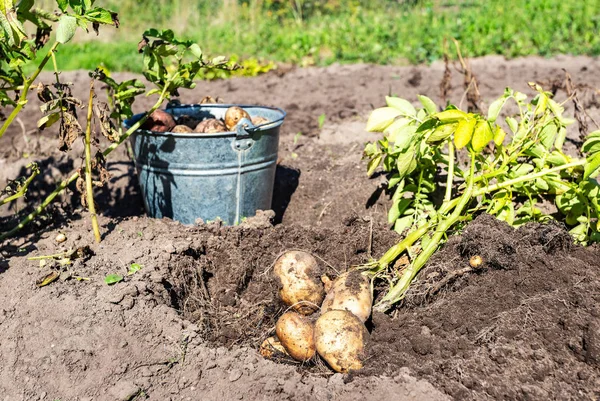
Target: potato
[[340, 339], [298, 274], [351, 291], [181, 129], [272, 348], [259, 120], [296, 333], [159, 121], [233, 115], [210, 126]]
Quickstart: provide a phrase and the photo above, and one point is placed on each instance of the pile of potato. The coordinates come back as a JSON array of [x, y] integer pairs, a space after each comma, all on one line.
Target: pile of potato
[[161, 121], [325, 317]]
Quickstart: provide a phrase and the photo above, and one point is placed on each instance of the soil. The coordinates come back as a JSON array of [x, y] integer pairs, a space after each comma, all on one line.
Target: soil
[[524, 325]]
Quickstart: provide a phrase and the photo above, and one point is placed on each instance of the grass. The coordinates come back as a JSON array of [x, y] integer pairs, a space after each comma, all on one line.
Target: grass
[[380, 31]]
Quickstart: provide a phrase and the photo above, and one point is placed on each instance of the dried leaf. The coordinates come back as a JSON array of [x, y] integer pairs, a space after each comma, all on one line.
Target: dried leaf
[[48, 278]]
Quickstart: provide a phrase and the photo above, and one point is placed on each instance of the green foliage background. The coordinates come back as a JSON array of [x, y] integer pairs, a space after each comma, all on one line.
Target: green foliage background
[[307, 32]]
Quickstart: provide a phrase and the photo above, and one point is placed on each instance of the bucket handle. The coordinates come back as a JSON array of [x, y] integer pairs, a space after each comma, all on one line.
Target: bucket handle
[[243, 135], [244, 128]]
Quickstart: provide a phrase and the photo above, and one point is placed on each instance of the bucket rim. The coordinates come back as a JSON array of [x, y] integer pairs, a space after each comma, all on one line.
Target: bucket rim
[[258, 128]]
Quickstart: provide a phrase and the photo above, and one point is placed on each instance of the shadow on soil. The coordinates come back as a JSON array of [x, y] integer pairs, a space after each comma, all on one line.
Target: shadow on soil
[[286, 182]]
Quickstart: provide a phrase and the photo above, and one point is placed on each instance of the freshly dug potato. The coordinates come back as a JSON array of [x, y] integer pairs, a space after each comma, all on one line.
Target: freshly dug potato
[[210, 126], [182, 129], [233, 115], [159, 121], [351, 291], [298, 274], [296, 333], [340, 339], [259, 120], [272, 348]]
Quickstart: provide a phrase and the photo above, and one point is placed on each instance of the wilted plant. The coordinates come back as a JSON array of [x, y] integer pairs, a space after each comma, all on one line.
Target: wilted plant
[[169, 64]]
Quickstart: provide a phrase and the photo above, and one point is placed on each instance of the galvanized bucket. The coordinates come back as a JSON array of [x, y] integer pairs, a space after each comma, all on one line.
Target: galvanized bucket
[[230, 175]]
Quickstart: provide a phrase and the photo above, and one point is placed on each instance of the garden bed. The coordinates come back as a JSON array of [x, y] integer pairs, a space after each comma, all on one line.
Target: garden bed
[[188, 324]]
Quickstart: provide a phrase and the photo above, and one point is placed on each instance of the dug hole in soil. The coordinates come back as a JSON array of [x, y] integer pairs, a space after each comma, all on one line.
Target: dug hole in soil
[[189, 323]]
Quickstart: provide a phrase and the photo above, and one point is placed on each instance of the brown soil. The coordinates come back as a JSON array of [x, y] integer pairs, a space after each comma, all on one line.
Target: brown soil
[[526, 325]]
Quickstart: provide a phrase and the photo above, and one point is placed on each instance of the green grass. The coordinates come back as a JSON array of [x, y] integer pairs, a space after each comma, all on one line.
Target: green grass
[[382, 32]]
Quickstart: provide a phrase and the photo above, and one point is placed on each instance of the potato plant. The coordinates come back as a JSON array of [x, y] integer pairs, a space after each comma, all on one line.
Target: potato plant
[[169, 64], [506, 175]]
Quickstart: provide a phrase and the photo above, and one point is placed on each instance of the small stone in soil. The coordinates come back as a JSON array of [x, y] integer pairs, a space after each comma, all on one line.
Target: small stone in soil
[[235, 375]]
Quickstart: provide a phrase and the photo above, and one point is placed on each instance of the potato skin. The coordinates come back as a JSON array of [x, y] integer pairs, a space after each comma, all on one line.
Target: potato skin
[[272, 348], [159, 121], [340, 339], [296, 333], [298, 273], [258, 120], [181, 129], [210, 126], [233, 115], [351, 291]]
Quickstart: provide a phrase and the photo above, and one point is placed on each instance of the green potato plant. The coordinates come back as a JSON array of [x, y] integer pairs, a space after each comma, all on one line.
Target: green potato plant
[[507, 176]]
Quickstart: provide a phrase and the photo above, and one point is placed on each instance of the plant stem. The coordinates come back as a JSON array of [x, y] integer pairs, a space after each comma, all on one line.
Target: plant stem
[[21, 192], [528, 177], [395, 251], [397, 291], [26, 85], [89, 188], [450, 178], [63, 185]]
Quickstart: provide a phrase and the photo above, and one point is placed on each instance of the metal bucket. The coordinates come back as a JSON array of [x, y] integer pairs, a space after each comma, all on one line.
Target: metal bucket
[[230, 175]]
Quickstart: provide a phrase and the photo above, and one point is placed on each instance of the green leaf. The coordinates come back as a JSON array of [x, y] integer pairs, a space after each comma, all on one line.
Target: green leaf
[[521, 170], [321, 120], [494, 109], [441, 133], [406, 163], [560, 138], [63, 4], [541, 184], [556, 158], [482, 135], [548, 135], [113, 279], [555, 107], [394, 180], [464, 133], [429, 105], [196, 51], [499, 136], [428, 124], [133, 268], [373, 164], [382, 118], [67, 26], [592, 167], [48, 120], [100, 16], [403, 223], [451, 116], [512, 124], [590, 145], [404, 106]]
